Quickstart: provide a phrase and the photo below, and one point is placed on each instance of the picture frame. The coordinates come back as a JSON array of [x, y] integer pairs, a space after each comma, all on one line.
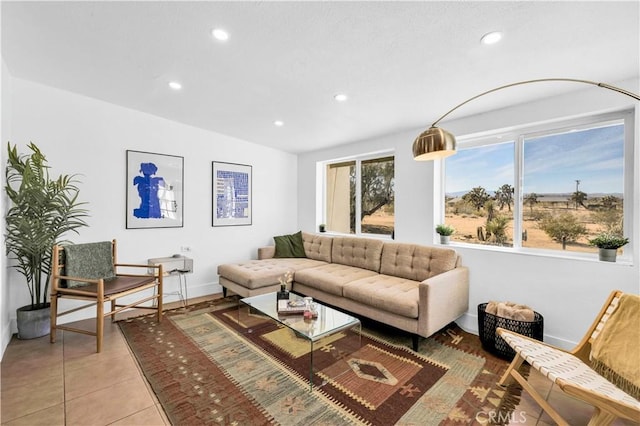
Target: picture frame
[[154, 190], [231, 198]]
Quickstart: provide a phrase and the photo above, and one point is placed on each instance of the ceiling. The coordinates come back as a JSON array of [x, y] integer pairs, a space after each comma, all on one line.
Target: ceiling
[[402, 64]]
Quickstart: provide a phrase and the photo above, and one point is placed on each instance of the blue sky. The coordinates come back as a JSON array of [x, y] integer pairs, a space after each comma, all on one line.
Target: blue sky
[[551, 163]]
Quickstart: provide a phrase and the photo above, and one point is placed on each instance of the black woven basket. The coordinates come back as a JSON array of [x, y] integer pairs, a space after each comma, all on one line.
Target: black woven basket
[[491, 342]]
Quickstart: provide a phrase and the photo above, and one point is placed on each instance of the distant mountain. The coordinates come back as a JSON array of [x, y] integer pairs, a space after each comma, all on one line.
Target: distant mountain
[[541, 196]]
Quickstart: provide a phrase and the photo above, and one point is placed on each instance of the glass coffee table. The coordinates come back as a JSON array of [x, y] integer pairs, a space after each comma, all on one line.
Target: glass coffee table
[[315, 332]]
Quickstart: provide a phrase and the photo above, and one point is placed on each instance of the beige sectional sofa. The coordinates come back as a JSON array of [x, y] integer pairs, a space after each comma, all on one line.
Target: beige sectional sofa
[[419, 289]]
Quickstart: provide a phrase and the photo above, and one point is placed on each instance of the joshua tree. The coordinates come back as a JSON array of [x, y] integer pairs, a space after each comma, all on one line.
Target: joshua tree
[[578, 198], [531, 200], [377, 187], [477, 197], [490, 208], [504, 196], [610, 202]]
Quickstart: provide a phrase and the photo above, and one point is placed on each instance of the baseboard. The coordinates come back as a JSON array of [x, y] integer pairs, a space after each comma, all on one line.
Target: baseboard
[[469, 323], [5, 338], [193, 292]]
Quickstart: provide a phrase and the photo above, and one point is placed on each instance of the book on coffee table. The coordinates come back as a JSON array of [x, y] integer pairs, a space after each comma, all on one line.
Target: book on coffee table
[[286, 307]]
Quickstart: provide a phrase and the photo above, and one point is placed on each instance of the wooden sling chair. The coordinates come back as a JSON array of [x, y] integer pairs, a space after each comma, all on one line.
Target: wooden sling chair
[[91, 272], [609, 352]]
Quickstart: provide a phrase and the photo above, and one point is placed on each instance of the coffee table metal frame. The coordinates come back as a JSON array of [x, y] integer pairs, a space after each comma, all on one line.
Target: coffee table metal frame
[[328, 322]]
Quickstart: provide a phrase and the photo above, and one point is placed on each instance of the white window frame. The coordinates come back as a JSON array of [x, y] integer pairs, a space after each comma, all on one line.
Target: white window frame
[[518, 135], [358, 159]]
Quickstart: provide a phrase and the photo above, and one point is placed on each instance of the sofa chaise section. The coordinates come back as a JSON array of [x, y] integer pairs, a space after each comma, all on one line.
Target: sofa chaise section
[[262, 276]]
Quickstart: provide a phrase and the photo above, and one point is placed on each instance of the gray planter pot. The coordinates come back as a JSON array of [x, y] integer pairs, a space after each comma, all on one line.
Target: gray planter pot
[[607, 255], [33, 323], [444, 239]]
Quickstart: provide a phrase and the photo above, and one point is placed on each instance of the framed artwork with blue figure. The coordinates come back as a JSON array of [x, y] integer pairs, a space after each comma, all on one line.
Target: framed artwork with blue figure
[[155, 187], [231, 194]]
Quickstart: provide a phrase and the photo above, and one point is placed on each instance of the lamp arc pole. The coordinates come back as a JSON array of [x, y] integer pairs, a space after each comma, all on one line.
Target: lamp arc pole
[[435, 142], [540, 80]]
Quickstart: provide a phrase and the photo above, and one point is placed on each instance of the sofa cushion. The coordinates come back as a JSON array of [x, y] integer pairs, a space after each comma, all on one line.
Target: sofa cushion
[[359, 252], [262, 273], [317, 247], [387, 293], [289, 245], [416, 262], [331, 277]]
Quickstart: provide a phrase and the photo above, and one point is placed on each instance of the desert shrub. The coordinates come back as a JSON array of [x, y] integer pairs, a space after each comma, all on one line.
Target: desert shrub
[[497, 227], [539, 215], [563, 228], [462, 207], [609, 220]]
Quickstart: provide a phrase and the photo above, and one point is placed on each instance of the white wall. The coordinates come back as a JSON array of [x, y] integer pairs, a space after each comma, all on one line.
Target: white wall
[[567, 292], [5, 133], [90, 137]]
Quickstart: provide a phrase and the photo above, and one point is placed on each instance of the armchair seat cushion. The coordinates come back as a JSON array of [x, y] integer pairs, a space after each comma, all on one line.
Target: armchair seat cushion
[[115, 285]]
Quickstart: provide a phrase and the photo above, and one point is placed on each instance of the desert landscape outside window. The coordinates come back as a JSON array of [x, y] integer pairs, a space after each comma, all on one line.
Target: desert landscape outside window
[[360, 196], [550, 189]]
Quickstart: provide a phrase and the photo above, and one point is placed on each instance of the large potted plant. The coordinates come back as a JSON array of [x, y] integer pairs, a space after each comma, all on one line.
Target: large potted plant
[[42, 210], [608, 245]]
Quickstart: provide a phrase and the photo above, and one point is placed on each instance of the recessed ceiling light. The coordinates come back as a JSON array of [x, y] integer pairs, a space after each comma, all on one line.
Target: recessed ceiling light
[[340, 97], [491, 38], [278, 123], [220, 34], [175, 85]]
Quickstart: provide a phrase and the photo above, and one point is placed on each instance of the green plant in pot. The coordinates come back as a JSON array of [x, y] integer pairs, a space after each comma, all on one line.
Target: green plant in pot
[[42, 210], [608, 245], [445, 232]]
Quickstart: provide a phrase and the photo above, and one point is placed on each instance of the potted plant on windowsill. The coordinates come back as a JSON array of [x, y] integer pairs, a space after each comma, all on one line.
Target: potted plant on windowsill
[[608, 245], [41, 211], [445, 232]]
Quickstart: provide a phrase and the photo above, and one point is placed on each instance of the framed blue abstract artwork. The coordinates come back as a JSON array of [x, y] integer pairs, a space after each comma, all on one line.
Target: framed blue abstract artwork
[[231, 194], [155, 188]]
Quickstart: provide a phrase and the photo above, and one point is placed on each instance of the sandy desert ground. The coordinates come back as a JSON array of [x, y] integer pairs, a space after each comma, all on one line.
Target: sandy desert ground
[[466, 227]]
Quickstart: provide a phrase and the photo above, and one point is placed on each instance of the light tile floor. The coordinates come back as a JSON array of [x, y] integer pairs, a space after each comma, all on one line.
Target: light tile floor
[[67, 383]]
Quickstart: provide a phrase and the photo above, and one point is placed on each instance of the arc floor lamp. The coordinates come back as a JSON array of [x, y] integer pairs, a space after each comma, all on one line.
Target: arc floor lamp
[[436, 143]]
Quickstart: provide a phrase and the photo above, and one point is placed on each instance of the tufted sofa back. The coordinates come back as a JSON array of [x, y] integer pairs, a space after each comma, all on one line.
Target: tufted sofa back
[[317, 247], [359, 252], [415, 262]]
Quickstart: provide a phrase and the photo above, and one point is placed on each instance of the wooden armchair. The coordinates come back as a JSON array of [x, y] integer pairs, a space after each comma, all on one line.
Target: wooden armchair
[[91, 272], [580, 373]]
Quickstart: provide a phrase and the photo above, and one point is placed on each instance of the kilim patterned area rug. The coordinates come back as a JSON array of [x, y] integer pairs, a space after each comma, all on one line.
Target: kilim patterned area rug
[[206, 368]]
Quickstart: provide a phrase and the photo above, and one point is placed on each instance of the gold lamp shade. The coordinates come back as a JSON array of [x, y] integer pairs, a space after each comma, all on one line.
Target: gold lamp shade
[[434, 143]]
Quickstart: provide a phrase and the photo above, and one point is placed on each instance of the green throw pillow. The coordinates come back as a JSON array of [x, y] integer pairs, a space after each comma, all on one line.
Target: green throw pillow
[[289, 245]]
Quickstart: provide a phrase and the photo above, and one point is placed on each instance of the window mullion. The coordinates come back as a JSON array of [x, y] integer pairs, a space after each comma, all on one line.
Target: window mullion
[[358, 196], [518, 191]]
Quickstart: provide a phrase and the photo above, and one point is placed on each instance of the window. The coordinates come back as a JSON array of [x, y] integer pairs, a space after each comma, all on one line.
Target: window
[[360, 196], [542, 188]]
